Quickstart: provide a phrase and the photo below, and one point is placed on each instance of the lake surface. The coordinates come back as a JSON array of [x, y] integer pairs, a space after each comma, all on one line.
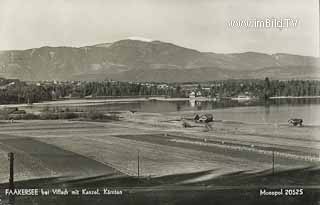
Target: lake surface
[[275, 111]]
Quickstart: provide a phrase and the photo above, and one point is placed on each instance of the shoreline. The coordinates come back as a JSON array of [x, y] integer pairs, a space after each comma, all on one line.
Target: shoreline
[[101, 101], [294, 97], [84, 101]]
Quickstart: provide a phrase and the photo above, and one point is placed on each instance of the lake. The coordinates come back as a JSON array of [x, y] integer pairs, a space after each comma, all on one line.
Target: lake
[[275, 111]]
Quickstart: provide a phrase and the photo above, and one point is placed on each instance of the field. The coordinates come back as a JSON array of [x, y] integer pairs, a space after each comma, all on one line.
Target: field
[[55, 148]]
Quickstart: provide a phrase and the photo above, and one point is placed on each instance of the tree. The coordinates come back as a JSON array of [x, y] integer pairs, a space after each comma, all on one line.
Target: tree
[[267, 90]]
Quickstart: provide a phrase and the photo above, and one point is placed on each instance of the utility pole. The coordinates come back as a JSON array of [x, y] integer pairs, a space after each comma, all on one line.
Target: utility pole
[[11, 179], [273, 162], [138, 163], [276, 134]]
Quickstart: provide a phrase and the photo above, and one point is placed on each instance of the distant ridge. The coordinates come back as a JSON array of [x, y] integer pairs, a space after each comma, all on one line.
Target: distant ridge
[[141, 59]]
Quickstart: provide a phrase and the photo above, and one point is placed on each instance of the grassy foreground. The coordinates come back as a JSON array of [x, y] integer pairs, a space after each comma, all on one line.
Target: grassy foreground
[[235, 188]]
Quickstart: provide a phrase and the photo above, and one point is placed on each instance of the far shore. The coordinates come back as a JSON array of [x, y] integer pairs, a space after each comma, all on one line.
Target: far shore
[[76, 102], [294, 97], [90, 101], [86, 101]]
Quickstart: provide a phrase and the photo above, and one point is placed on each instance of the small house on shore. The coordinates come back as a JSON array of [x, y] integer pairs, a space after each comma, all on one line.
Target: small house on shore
[[192, 95]]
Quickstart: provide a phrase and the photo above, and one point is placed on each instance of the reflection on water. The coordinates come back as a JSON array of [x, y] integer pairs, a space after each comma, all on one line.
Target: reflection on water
[[192, 102], [273, 111]]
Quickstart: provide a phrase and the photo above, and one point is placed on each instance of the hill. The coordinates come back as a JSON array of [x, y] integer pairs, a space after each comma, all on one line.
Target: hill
[[135, 60]]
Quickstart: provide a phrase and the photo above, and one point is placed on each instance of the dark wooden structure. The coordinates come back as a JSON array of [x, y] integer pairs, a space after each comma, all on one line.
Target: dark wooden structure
[[295, 122], [204, 118]]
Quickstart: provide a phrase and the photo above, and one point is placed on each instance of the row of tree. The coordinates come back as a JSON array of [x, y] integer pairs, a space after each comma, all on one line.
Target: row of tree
[[22, 92], [265, 88]]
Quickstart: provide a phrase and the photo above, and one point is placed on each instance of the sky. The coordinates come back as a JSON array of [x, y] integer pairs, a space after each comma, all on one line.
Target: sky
[[197, 24]]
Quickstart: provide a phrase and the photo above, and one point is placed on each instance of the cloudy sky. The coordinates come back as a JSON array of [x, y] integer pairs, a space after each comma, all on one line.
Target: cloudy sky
[[198, 24]]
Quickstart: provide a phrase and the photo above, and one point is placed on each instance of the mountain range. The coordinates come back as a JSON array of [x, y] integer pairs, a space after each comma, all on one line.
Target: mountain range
[[136, 60]]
